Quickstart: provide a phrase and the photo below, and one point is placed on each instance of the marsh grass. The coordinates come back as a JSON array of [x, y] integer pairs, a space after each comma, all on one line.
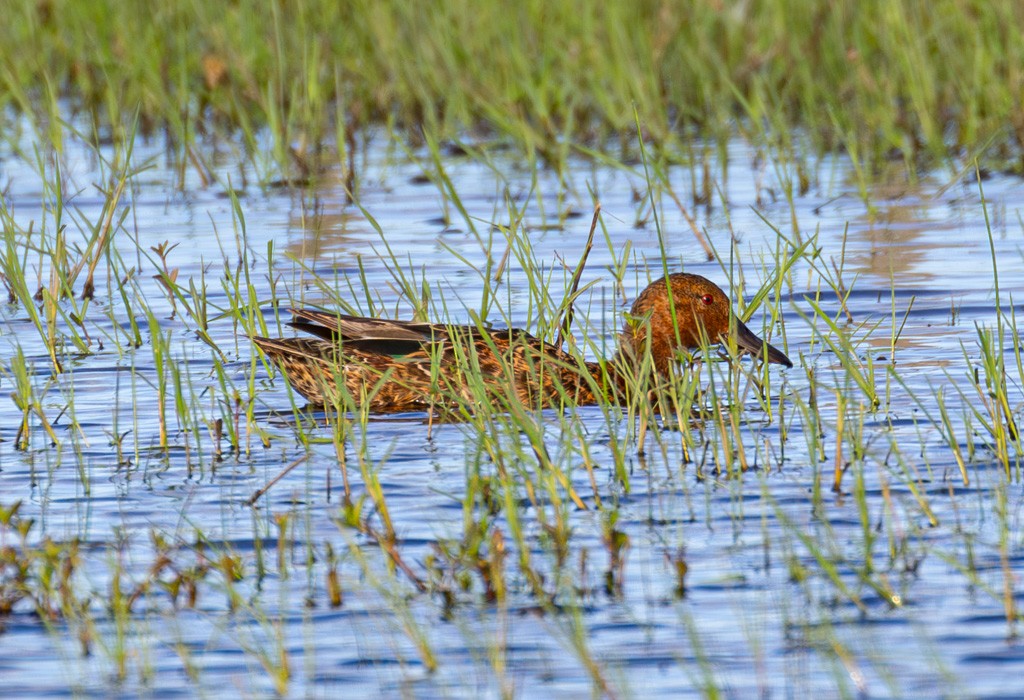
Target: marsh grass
[[882, 83]]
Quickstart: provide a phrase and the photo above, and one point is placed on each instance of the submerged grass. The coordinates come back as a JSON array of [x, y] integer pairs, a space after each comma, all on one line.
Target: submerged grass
[[912, 82]]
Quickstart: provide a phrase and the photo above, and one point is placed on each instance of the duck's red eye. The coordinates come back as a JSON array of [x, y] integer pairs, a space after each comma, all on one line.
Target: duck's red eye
[[708, 299]]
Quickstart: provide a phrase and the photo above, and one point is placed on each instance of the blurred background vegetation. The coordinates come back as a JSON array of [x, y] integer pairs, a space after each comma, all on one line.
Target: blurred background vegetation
[[925, 83]]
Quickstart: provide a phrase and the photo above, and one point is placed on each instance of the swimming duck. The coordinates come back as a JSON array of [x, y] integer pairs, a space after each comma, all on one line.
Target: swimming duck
[[394, 366]]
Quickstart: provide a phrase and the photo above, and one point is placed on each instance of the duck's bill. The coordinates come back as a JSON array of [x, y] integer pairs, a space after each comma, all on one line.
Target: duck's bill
[[746, 340]]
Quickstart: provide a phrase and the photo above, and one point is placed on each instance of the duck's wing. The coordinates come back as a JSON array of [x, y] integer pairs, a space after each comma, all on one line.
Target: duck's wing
[[379, 335], [372, 335], [342, 327]]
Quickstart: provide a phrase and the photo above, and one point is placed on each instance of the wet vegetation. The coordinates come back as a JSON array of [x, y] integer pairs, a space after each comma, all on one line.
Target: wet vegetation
[[167, 501], [294, 84]]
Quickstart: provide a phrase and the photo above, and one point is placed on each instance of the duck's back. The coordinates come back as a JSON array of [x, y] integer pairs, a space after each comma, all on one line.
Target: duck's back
[[406, 365]]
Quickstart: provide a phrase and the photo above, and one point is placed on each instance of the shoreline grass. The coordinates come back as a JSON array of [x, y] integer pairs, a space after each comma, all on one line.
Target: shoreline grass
[[919, 84]]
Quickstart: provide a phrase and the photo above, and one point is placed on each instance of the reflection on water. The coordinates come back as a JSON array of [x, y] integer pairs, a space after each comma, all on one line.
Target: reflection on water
[[328, 233], [760, 615]]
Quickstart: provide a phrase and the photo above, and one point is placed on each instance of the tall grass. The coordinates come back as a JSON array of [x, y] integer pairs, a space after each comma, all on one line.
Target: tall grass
[[914, 82]]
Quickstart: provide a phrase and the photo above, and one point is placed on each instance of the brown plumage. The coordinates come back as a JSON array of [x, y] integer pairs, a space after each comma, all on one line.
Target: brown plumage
[[408, 366]]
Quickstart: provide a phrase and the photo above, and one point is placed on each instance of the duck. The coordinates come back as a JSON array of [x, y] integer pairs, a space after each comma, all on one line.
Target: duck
[[389, 366]]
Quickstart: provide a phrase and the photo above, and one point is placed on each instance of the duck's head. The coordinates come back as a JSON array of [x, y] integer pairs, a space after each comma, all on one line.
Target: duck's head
[[700, 309]]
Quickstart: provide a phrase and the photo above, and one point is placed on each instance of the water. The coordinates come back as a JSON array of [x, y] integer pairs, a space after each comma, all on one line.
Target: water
[[790, 590]]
